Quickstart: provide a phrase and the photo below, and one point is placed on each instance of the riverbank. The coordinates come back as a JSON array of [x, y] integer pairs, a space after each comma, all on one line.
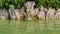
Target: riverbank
[[29, 12]]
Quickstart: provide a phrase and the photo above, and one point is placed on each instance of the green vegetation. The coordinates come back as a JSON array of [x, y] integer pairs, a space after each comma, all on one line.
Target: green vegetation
[[6, 3], [48, 3], [19, 3]]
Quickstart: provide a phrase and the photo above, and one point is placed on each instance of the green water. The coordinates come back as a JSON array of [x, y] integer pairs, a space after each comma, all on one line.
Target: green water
[[30, 27]]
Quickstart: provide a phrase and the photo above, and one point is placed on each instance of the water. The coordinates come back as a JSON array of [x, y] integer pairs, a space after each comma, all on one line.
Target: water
[[30, 27]]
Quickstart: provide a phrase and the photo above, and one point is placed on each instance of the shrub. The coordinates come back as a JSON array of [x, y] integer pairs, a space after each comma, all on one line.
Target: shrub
[[19, 3], [48, 3]]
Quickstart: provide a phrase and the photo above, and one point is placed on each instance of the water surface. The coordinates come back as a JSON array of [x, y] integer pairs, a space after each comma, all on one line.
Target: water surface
[[29, 27]]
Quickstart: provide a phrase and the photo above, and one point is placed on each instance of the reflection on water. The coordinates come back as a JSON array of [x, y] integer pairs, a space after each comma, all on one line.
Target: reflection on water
[[29, 27]]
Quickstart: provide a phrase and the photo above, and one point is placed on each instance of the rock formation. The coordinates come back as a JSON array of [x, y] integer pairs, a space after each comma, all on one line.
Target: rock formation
[[50, 13], [29, 12], [57, 15], [3, 14], [41, 14]]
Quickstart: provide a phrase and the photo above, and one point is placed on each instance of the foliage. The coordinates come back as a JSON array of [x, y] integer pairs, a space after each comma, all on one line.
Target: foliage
[[48, 3], [19, 3], [6, 3]]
